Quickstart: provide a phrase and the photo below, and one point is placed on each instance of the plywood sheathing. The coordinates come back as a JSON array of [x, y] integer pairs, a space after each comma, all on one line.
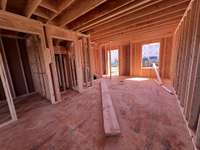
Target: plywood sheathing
[[130, 55], [186, 60], [124, 59], [86, 60], [164, 58], [97, 62], [36, 62]]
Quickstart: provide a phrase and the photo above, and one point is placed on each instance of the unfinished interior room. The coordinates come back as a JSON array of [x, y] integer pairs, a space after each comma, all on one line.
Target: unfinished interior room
[[99, 74]]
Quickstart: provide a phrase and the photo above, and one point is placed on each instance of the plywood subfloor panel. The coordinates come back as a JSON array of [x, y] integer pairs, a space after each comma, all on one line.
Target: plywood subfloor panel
[[149, 118]]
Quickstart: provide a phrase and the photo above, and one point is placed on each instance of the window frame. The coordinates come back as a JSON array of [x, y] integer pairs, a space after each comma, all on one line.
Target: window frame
[[148, 43]]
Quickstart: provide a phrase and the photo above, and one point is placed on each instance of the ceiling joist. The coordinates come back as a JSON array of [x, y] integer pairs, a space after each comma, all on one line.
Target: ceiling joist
[[136, 17], [142, 21], [64, 5], [48, 5], [101, 19], [31, 7], [146, 25], [117, 13], [101, 10], [141, 11], [72, 13], [159, 29]]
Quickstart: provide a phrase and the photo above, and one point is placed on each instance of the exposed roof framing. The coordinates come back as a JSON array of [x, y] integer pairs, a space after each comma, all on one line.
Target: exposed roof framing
[[145, 14], [140, 23], [135, 13], [132, 7], [99, 11], [143, 27], [72, 13], [31, 7], [101, 18], [160, 30]]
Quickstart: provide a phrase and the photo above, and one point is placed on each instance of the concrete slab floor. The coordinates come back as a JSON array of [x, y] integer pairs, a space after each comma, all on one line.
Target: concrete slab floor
[[149, 118]]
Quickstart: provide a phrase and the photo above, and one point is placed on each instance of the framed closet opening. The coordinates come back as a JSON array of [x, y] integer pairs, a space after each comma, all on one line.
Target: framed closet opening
[[22, 74], [64, 54]]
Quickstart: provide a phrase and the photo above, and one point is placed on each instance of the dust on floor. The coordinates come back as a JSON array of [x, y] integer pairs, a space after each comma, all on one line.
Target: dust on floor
[[149, 118]]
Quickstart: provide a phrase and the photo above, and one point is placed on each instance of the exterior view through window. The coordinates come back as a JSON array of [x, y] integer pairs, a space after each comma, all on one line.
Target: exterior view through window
[[150, 54], [115, 62]]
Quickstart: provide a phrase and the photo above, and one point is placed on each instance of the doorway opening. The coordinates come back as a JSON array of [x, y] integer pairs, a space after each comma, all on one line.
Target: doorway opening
[[150, 55], [23, 71], [64, 53], [114, 62]]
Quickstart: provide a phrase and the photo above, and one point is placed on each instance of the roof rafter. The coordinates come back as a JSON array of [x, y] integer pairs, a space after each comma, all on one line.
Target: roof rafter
[[31, 7], [137, 4], [143, 20], [135, 18], [64, 5], [134, 13], [141, 26], [72, 13], [99, 11], [164, 29]]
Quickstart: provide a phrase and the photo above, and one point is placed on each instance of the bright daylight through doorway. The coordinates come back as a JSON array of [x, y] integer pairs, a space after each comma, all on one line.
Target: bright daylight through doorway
[[115, 62]]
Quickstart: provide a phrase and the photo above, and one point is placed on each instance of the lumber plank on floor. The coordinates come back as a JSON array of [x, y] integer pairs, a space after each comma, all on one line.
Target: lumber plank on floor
[[111, 124]]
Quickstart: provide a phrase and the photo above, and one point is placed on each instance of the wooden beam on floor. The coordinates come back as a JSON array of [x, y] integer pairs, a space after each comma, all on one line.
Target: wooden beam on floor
[[111, 124]]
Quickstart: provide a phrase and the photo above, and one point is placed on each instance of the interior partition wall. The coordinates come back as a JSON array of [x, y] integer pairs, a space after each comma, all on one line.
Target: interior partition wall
[[22, 72]]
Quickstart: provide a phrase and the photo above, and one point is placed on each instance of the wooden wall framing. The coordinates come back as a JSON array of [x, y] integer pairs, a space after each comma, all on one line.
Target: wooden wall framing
[[53, 32], [9, 21], [186, 66], [13, 22], [130, 53], [85, 55], [164, 58]]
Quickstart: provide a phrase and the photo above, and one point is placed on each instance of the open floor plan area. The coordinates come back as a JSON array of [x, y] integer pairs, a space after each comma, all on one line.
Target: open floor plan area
[[100, 75]]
